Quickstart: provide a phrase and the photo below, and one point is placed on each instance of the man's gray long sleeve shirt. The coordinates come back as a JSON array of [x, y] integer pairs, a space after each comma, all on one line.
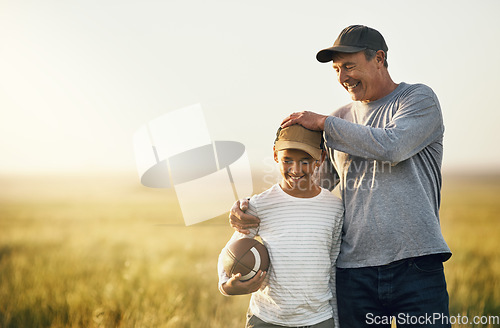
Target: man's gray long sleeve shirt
[[388, 154]]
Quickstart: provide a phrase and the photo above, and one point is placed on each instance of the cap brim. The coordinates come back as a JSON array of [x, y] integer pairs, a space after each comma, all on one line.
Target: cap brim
[[326, 55], [286, 144]]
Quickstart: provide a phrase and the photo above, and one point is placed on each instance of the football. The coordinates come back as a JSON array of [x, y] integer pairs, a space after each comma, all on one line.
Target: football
[[246, 256]]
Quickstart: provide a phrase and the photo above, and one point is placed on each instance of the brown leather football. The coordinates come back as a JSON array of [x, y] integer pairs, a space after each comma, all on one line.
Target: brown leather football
[[246, 256]]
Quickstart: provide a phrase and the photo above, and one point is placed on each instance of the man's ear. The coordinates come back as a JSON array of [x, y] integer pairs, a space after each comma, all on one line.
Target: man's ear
[[380, 57], [275, 155]]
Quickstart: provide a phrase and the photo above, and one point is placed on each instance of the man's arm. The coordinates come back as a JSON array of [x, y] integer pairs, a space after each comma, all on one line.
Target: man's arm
[[240, 220], [403, 137], [415, 125]]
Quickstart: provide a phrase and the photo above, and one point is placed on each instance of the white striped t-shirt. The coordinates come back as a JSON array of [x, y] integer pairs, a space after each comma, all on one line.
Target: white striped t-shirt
[[302, 236]]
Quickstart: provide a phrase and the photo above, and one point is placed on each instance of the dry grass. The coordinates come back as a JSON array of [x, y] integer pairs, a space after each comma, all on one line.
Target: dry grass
[[87, 252], [470, 218]]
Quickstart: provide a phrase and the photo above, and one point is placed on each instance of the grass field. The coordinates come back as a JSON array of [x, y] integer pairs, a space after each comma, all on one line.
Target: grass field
[[107, 252]]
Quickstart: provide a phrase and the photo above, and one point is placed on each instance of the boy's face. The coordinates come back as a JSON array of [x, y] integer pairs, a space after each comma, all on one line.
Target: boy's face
[[296, 167]]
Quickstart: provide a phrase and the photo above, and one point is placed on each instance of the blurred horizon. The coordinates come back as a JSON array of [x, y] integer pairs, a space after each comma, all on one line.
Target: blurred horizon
[[110, 185]]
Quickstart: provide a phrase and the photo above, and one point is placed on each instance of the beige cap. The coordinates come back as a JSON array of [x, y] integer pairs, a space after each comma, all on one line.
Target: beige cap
[[298, 137]]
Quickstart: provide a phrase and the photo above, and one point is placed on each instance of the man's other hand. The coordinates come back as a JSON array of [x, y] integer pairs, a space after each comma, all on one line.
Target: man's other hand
[[241, 221]]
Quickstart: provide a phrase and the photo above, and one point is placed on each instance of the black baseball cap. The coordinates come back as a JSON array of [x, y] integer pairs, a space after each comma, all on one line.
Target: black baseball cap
[[353, 39]]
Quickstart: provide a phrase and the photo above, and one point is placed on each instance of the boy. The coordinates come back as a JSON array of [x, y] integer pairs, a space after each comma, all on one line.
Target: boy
[[301, 227]]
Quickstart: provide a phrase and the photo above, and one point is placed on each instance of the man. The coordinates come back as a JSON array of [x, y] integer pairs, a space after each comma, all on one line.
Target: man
[[386, 150]]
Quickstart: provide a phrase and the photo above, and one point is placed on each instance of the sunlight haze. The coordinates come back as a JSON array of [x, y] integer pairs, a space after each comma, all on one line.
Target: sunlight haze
[[79, 78]]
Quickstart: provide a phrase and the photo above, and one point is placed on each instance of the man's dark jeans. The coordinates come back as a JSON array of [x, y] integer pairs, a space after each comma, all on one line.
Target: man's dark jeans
[[411, 291]]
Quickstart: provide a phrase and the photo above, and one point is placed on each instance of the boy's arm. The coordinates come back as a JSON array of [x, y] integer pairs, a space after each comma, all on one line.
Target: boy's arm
[[334, 253], [223, 277], [233, 285], [236, 287]]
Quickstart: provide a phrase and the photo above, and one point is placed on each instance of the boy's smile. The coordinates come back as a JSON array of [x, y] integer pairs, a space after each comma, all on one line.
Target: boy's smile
[[297, 168]]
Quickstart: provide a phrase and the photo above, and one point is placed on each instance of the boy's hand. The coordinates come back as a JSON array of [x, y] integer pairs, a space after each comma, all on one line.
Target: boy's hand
[[236, 287], [241, 221]]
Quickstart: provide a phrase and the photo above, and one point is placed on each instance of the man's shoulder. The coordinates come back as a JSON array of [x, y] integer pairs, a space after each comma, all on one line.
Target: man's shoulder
[[343, 111], [416, 89], [404, 90], [417, 94]]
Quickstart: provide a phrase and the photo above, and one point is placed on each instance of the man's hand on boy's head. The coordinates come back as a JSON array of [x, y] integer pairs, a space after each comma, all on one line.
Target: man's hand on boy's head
[[236, 287], [309, 120], [241, 221]]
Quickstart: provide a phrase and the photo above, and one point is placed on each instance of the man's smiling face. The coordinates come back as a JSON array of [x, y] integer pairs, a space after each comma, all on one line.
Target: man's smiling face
[[360, 77]]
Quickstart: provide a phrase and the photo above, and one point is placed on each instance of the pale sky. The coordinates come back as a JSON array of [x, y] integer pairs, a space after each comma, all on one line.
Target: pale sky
[[78, 78]]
